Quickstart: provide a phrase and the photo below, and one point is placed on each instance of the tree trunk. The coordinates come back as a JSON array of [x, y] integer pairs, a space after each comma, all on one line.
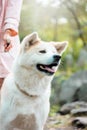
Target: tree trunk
[[81, 36]]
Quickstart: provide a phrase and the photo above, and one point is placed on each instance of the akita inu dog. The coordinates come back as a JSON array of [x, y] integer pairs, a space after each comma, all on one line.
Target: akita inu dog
[[25, 93]]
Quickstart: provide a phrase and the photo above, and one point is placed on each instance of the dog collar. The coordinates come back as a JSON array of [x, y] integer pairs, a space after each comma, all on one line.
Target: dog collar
[[24, 92]]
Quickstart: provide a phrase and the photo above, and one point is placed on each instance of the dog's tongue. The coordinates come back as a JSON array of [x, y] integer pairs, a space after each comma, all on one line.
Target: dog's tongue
[[49, 69]]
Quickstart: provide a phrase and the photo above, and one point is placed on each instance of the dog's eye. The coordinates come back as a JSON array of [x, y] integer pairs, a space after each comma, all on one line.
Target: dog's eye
[[42, 51]]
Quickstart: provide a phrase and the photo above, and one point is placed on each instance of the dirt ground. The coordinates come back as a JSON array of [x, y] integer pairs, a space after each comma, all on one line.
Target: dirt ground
[[59, 122]]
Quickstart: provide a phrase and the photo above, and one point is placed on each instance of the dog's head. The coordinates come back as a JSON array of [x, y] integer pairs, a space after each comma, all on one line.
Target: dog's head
[[43, 57]]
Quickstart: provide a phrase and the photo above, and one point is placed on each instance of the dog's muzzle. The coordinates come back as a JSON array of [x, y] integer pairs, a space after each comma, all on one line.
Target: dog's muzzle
[[50, 69]]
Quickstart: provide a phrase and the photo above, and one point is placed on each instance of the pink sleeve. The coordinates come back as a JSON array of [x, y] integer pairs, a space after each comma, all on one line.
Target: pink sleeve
[[12, 16]]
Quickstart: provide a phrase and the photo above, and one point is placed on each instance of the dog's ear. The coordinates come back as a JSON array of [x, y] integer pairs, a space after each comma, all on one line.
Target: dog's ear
[[30, 40], [61, 46]]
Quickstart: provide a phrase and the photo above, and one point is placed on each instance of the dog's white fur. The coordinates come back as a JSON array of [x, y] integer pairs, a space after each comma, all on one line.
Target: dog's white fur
[[25, 93]]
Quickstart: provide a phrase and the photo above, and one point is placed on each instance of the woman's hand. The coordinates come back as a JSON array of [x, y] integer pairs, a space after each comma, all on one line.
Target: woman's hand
[[7, 40]]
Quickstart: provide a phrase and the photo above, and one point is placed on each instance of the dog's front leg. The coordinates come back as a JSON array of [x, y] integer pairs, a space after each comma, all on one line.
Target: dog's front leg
[[39, 128], [42, 114]]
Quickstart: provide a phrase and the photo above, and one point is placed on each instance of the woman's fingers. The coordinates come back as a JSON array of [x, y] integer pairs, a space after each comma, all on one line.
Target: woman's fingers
[[7, 41], [7, 46]]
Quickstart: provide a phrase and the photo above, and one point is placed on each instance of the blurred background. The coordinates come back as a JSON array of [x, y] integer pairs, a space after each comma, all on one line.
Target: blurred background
[[61, 20]]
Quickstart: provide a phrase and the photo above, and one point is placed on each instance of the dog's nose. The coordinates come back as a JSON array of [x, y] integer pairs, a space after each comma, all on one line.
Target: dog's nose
[[56, 58]]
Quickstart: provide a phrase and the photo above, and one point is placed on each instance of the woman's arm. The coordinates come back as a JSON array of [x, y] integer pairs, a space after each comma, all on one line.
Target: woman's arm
[[11, 22], [12, 16]]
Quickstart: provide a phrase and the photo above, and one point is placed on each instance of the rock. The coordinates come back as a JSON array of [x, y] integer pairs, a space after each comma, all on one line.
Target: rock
[[80, 122], [79, 112], [74, 89], [69, 107], [82, 93]]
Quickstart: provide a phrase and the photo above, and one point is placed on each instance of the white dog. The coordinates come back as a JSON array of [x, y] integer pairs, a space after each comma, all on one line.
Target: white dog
[[25, 93]]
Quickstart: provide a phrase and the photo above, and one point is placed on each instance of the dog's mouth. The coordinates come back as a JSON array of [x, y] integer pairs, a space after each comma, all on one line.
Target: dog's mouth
[[49, 69]]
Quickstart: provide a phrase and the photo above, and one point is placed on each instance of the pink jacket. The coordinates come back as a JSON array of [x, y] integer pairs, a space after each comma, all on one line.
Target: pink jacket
[[9, 19]]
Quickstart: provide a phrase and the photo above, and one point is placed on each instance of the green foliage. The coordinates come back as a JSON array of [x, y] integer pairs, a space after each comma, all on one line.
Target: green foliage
[[54, 110]]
